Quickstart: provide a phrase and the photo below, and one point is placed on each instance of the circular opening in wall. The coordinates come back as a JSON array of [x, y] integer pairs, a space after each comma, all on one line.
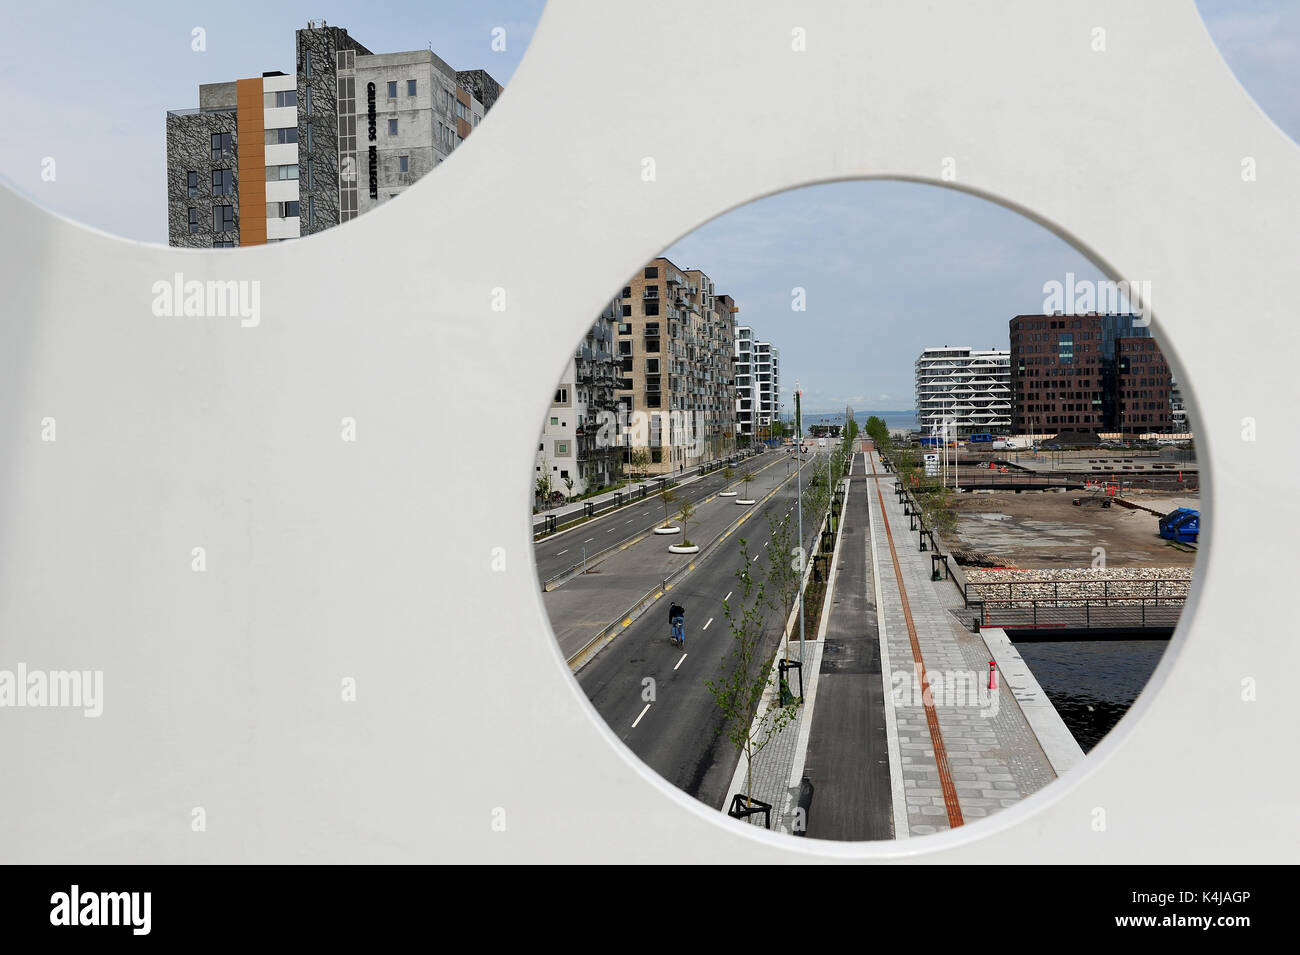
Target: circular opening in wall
[[246, 124], [827, 479], [1260, 42]]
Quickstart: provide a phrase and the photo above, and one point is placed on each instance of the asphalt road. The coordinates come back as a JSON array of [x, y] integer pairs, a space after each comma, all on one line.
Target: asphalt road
[[558, 553], [673, 723]]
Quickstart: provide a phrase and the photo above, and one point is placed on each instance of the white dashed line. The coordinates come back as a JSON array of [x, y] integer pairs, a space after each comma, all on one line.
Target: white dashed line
[[679, 663], [589, 540], [563, 552], [706, 626], [638, 719], [728, 597]]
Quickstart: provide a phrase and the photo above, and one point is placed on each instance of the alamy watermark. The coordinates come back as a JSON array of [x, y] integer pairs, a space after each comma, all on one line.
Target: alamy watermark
[[957, 688], [1073, 297], [83, 689], [231, 298]]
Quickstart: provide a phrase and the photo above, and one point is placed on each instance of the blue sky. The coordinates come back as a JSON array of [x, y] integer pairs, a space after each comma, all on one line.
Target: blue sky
[[889, 268]]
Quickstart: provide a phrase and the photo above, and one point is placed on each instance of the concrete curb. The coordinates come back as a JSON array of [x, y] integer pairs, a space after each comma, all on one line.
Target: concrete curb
[[1058, 743]]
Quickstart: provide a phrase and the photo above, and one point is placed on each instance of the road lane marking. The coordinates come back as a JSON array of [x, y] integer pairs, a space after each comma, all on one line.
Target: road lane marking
[[706, 626], [563, 552], [589, 540], [638, 719], [728, 597], [679, 663]]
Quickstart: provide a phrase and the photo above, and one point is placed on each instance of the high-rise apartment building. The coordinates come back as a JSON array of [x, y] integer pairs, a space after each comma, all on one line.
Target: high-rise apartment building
[[758, 384], [675, 346], [969, 388], [579, 441], [283, 155], [1090, 373]]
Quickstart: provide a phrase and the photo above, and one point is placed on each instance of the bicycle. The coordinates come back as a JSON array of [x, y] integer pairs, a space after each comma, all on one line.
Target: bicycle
[[677, 632]]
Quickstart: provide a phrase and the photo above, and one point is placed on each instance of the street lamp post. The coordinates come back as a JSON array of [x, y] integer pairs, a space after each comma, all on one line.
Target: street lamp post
[[798, 495]]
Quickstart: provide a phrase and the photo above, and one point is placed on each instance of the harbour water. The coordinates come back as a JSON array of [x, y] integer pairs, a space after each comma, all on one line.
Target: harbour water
[[1092, 683]]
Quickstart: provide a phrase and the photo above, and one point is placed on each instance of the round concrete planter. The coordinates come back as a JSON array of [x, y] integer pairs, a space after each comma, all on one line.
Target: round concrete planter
[[726, 494], [680, 549], [668, 530], [739, 501]]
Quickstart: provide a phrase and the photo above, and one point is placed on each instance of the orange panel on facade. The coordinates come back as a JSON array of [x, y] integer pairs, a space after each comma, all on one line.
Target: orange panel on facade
[[251, 144]]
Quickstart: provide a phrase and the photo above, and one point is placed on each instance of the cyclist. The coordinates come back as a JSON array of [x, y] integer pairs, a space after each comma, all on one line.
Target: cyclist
[[677, 623]]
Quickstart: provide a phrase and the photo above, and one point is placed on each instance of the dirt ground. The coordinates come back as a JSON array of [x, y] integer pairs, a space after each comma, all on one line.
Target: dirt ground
[[1042, 529]]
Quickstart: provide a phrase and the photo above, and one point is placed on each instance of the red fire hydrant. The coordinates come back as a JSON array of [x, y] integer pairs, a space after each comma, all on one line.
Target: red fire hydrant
[[993, 675]]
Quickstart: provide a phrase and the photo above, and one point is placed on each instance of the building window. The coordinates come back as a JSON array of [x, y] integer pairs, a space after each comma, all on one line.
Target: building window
[[403, 163], [627, 311], [308, 101], [192, 182], [275, 173], [562, 396], [222, 145], [306, 66], [309, 137], [446, 100], [562, 447], [625, 347], [625, 328], [652, 271], [223, 218], [627, 291], [282, 210], [223, 243], [223, 182], [290, 98], [194, 217], [652, 308], [410, 87], [392, 89], [311, 212], [555, 421], [392, 127], [281, 136], [308, 173]]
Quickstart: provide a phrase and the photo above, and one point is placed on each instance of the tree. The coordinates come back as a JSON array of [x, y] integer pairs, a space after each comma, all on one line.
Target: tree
[[670, 497], [747, 480], [684, 515], [785, 561], [878, 432], [640, 460], [544, 483], [739, 691], [568, 486], [727, 474]]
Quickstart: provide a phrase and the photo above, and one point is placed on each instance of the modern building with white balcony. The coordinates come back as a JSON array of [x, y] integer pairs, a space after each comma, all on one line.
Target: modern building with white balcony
[[572, 446], [758, 384], [968, 388]]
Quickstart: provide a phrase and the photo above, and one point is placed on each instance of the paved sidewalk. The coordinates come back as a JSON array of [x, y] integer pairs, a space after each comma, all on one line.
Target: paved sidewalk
[[994, 757]]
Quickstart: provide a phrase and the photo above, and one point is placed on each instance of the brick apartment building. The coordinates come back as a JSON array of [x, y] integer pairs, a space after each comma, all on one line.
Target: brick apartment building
[[1089, 373]]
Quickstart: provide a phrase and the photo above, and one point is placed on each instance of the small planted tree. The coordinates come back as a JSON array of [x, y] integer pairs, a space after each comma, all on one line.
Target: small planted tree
[[544, 485], [743, 680], [568, 486], [670, 497], [747, 480], [685, 515], [640, 460], [785, 570]]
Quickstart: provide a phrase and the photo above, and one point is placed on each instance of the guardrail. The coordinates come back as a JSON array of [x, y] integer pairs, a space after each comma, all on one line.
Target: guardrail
[[553, 523], [580, 566]]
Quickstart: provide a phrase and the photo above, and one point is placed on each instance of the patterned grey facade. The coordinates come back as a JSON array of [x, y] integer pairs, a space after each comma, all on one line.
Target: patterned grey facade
[[480, 85], [189, 149], [318, 123]]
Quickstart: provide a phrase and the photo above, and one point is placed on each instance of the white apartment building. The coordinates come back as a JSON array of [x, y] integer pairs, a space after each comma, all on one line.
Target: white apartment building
[[570, 446], [758, 383], [968, 387]]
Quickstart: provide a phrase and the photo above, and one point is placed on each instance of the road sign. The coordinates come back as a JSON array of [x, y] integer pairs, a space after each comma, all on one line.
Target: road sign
[[931, 465]]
